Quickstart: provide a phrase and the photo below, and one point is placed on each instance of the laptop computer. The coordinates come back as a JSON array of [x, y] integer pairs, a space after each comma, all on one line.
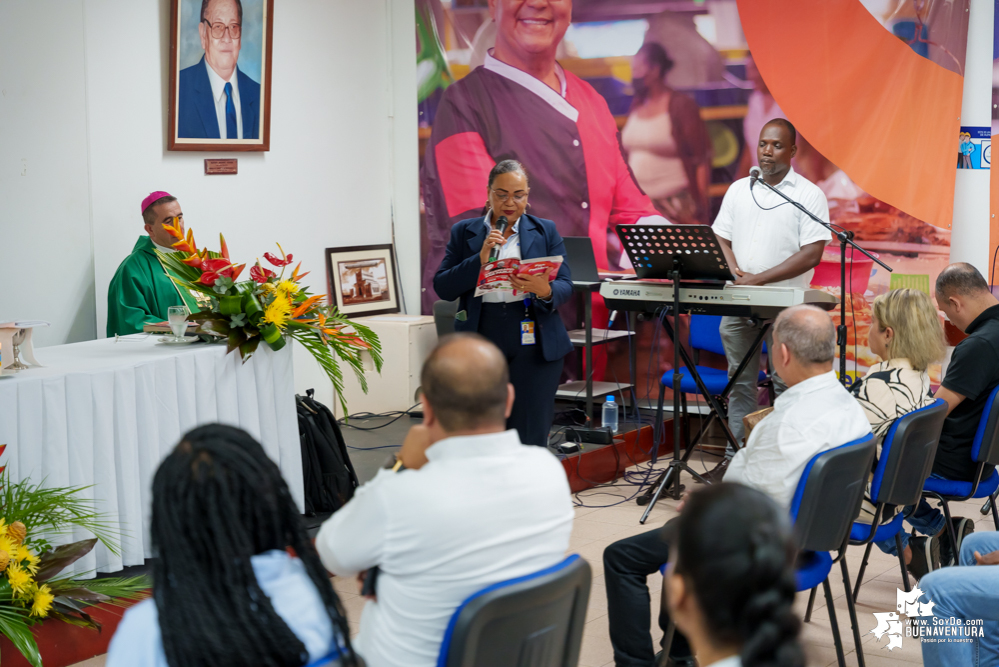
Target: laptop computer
[[582, 261]]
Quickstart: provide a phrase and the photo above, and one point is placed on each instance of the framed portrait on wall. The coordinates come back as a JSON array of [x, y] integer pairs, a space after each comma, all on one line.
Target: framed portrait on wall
[[220, 75], [362, 279]]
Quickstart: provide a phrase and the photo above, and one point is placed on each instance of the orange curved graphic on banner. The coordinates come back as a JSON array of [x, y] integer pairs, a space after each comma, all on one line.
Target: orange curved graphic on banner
[[883, 114]]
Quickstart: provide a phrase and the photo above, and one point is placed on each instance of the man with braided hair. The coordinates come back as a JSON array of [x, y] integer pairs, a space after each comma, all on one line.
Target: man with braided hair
[[813, 415], [473, 507], [226, 591]]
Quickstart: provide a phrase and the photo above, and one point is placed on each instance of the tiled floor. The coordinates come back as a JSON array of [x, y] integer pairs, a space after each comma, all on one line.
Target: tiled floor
[[596, 527]]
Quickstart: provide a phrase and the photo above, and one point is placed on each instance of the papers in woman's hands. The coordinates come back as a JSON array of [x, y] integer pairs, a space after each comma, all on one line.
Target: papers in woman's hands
[[495, 276]]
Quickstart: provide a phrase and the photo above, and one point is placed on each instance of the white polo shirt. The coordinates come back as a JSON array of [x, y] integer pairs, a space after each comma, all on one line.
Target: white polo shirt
[[812, 416], [483, 510], [762, 239]]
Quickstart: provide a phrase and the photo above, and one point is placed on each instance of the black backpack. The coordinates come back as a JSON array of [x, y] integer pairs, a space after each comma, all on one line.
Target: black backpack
[[330, 479]]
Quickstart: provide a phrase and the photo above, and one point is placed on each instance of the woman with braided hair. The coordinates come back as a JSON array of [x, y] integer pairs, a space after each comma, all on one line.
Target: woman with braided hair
[[227, 590], [730, 581]]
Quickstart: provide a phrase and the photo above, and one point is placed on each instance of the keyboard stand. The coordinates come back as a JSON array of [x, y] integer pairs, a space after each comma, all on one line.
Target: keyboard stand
[[678, 252], [670, 478]]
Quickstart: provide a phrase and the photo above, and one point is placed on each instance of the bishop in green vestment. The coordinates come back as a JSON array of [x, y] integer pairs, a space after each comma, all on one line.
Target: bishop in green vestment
[[141, 290]]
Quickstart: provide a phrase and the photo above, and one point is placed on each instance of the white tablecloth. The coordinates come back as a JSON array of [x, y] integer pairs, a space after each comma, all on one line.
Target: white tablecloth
[[105, 414]]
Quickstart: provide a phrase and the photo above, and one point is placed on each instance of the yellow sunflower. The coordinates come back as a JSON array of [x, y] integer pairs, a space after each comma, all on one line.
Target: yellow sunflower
[[278, 311], [3, 526], [8, 545], [288, 288], [42, 602], [20, 580], [28, 560]]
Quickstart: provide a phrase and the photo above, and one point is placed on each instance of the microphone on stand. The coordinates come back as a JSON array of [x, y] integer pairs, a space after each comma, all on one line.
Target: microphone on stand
[[501, 226], [754, 174]]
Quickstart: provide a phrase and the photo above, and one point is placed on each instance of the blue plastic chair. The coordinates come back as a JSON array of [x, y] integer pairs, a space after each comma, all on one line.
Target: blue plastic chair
[[984, 451], [906, 461], [532, 621], [704, 335], [825, 504]]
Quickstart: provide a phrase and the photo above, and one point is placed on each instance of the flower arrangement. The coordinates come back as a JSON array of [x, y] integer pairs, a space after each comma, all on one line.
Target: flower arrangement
[[269, 307], [31, 590]]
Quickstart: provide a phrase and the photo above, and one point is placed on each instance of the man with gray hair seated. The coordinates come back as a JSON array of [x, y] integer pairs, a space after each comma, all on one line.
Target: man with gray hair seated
[[813, 415]]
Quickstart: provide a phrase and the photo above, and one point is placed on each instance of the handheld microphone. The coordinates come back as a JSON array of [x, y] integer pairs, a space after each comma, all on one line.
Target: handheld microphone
[[501, 226], [754, 174]]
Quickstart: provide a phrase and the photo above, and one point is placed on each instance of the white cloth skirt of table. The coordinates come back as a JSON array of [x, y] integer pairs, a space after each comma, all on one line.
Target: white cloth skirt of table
[[105, 413]]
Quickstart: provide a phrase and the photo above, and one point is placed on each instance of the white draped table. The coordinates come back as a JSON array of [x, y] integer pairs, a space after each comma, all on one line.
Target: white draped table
[[105, 413]]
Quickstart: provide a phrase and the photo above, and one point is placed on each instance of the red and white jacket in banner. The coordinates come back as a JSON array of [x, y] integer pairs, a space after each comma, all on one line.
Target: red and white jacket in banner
[[568, 142]]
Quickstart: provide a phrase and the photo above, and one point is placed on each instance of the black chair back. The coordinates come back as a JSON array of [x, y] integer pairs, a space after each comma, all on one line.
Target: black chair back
[[907, 455], [829, 494], [444, 312], [535, 621]]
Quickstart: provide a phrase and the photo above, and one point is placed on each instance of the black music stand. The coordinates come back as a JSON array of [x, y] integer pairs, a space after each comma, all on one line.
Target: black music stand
[[680, 253]]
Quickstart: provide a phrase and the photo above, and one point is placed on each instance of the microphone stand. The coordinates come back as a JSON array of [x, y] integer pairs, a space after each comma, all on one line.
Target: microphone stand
[[845, 238]]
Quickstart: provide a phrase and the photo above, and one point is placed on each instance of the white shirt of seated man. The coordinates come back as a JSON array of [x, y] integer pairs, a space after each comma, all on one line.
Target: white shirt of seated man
[[815, 414], [473, 507]]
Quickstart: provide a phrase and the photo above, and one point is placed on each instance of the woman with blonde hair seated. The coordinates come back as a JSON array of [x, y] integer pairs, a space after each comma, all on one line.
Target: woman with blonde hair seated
[[906, 333]]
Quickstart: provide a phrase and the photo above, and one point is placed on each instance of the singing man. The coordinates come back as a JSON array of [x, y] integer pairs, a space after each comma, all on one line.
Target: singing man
[[766, 241]]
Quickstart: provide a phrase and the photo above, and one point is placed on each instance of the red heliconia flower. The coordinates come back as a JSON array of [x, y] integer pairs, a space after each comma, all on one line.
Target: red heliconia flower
[[215, 269], [260, 274], [276, 261]]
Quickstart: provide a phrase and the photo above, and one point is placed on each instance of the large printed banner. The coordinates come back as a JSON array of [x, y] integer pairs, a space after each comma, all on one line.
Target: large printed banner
[[873, 87]]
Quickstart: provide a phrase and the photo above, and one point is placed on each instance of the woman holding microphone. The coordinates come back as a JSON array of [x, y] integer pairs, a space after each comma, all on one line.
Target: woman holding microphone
[[527, 327]]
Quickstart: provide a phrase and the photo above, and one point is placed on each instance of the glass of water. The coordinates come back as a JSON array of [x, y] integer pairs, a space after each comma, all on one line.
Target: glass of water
[[177, 316]]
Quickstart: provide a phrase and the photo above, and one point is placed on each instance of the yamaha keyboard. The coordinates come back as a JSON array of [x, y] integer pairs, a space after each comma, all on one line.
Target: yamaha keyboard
[[764, 301]]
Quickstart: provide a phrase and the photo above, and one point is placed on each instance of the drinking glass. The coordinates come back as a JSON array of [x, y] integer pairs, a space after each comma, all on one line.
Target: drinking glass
[[177, 316]]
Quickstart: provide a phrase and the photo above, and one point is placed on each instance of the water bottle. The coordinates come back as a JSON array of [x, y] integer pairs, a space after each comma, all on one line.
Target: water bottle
[[610, 415]]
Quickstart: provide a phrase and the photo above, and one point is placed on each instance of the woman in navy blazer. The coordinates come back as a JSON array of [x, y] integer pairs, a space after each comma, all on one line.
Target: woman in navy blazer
[[535, 369]]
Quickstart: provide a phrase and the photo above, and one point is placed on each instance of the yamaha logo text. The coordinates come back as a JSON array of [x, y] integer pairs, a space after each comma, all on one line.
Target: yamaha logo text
[[627, 292]]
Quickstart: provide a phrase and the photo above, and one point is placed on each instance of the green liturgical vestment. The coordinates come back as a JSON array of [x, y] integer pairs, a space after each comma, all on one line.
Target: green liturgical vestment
[[141, 292]]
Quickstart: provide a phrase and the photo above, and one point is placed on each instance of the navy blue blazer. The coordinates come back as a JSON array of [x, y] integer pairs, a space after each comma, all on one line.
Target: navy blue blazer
[[196, 118], [459, 273]]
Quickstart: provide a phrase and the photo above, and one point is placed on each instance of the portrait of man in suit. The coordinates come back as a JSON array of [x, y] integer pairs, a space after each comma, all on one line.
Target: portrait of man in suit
[[217, 95]]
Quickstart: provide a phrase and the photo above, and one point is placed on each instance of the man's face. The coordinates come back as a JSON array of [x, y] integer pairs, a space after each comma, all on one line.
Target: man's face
[[775, 150], [952, 308], [222, 53], [531, 26], [163, 215]]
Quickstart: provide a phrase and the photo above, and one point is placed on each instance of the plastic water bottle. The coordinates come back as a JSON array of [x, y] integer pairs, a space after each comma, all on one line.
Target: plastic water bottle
[[610, 414]]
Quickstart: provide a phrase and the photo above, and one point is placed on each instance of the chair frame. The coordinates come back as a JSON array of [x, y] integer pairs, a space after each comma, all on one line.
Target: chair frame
[[805, 497], [894, 455], [988, 453]]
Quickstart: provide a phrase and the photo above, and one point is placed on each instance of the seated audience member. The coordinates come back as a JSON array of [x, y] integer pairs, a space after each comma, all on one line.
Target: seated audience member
[[973, 372], [730, 585], [815, 414], [226, 591], [907, 335], [966, 593], [473, 507]]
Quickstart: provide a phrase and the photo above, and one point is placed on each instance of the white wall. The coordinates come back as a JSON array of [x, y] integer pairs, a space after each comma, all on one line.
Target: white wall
[[46, 263], [970, 236], [90, 114]]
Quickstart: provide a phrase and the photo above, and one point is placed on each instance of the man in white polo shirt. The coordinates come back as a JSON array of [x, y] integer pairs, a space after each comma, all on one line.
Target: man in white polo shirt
[[766, 241], [473, 507]]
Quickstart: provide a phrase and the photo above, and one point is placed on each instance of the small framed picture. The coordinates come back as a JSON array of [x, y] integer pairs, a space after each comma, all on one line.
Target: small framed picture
[[362, 279], [220, 75]]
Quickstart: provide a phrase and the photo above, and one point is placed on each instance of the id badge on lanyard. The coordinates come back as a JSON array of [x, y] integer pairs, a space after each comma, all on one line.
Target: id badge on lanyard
[[527, 336]]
